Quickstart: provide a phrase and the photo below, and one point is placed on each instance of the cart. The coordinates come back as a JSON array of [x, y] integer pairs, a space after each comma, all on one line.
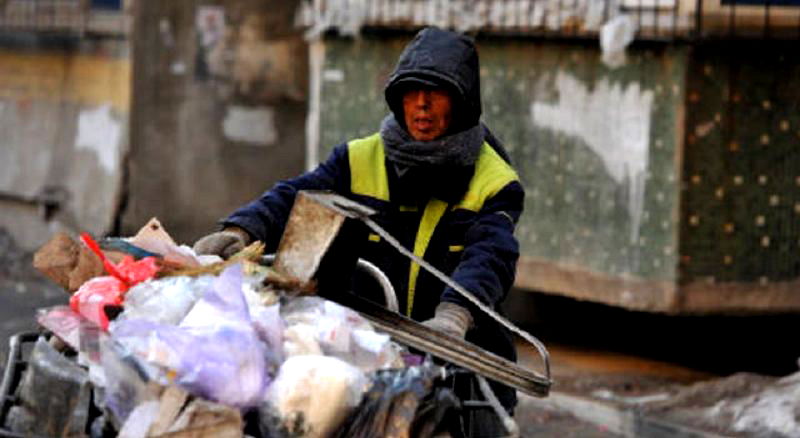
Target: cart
[[465, 361]]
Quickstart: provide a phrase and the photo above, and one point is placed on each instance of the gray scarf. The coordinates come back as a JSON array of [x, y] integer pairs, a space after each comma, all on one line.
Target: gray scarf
[[459, 149]]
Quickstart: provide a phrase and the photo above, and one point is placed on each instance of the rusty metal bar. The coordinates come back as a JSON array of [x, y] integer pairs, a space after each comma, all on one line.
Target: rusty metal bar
[[451, 349]]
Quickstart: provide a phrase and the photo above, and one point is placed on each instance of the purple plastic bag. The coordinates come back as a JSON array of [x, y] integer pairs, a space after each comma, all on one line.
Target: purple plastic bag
[[214, 353]]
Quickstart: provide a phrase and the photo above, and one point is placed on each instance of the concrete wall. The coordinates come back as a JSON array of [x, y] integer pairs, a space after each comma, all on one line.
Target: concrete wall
[[63, 134], [219, 106], [740, 233]]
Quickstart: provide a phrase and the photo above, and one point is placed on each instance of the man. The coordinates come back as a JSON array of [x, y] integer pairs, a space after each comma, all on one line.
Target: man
[[441, 185]]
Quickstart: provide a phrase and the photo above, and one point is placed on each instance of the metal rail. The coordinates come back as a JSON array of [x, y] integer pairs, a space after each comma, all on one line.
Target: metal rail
[[451, 349]]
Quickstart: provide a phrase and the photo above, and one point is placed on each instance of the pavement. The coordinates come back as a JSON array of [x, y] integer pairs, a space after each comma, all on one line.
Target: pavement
[[594, 393]]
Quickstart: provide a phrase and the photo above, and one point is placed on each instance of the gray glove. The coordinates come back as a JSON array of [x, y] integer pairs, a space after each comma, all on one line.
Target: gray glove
[[451, 319], [223, 243]]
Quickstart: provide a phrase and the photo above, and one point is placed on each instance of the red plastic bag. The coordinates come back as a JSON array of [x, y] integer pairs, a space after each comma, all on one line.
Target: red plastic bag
[[129, 271], [94, 295], [133, 272]]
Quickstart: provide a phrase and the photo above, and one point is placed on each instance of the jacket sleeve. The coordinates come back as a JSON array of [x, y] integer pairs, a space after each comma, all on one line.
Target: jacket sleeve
[[488, 265], [265, 218]]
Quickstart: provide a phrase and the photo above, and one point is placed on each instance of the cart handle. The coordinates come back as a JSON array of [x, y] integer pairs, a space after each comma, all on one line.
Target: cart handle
[[389, 294]]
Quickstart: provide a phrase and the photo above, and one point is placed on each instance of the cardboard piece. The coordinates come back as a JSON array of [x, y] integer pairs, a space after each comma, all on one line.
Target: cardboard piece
[[66, 262]]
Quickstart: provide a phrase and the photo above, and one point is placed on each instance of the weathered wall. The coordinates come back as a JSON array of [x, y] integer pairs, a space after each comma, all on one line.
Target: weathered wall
[[63, 134], [218, 109], [597, 150], [740, 235]]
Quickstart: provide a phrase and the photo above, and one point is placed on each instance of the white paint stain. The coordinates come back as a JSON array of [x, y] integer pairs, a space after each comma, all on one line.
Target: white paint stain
[[254, 126], [614, 121], [100, 133]]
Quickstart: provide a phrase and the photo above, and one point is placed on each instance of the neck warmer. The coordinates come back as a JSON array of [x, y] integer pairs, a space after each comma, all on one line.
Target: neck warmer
[[459, 149]]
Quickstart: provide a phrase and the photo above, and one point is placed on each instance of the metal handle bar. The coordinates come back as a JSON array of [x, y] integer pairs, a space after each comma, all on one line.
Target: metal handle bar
[[389, 294]]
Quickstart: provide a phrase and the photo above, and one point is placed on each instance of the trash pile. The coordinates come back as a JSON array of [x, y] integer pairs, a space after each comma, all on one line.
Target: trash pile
[[157, 341]]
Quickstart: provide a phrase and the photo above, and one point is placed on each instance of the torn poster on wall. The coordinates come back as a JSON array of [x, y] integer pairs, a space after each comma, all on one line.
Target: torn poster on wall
[[248, 65]]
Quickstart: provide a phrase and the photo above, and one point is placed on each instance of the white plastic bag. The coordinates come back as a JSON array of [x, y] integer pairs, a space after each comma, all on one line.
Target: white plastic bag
[[615, 36], [316, 391], [318, 326], [166, 300]]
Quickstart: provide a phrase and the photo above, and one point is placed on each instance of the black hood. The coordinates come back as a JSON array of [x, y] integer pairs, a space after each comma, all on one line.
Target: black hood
[[437, 57]]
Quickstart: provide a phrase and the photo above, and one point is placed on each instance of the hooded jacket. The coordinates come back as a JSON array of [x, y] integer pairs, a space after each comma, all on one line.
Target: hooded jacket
[[469, 237], [439, 58]]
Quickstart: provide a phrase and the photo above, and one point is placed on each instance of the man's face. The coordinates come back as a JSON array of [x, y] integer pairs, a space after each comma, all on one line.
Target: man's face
[[427, 112]]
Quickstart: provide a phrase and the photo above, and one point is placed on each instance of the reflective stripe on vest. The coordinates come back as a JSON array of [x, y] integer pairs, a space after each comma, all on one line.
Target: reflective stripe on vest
[[368, 178], [430, 218]]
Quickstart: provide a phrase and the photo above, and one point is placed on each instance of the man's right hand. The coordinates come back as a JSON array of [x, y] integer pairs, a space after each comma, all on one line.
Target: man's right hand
[[223, 243]]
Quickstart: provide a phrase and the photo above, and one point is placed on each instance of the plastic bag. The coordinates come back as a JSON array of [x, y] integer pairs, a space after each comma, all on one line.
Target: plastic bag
[[214, 353], [64, 322], [269, 327], [125, 380], [133, 272], [315, 325], [314, 394], [402, 402], [615, 36], [128, 271], [93, 296], [223, 304], [166, 300]]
